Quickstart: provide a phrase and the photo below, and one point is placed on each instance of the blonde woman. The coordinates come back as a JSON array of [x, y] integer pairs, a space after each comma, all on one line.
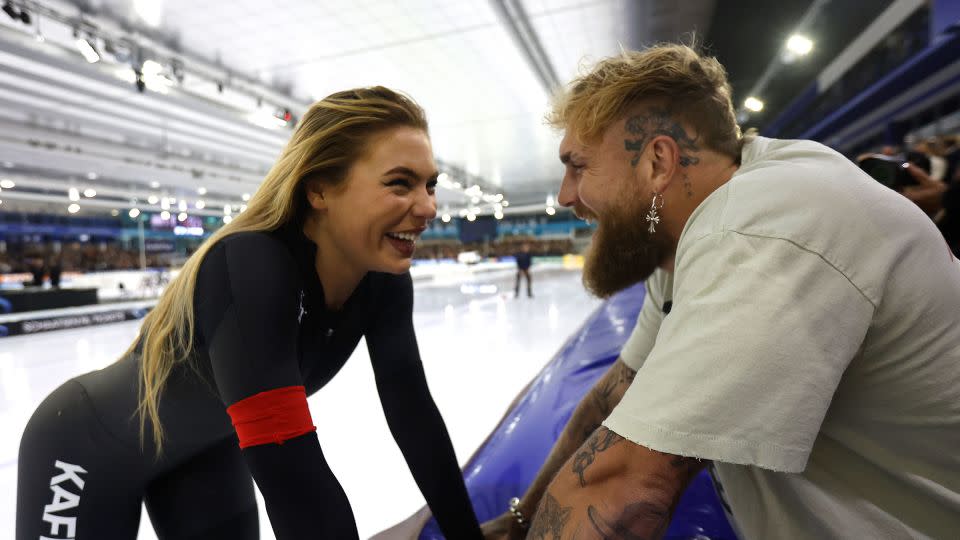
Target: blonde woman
[[264, 314]]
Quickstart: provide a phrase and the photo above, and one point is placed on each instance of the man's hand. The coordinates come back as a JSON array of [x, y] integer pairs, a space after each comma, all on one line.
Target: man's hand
[[503, 527]]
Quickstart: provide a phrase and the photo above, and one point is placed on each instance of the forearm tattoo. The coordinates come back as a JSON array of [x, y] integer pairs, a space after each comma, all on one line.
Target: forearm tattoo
[[601, 440], [600, 396], [637, 516], [550, 521], [642, 128]]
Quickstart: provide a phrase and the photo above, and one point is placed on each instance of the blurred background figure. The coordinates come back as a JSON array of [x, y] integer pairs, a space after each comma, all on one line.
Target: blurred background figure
[[524, 260]]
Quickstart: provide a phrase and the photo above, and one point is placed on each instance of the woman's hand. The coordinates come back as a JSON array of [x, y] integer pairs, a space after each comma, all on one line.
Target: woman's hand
[[503, 527]]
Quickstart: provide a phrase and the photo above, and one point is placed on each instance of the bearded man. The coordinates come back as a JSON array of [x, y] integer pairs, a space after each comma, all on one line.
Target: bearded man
[[799, 334]]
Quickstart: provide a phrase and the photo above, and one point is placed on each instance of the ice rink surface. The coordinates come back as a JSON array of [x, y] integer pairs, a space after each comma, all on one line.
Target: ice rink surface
[[480, 346]]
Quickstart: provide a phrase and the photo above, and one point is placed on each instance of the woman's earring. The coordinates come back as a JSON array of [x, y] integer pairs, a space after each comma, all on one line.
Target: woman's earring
[[652, 217]]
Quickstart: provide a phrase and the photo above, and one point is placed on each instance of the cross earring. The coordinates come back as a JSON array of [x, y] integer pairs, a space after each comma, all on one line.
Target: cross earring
[[652, 217]]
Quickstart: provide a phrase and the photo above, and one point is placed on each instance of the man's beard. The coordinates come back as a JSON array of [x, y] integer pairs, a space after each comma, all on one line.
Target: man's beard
[[623, 251]]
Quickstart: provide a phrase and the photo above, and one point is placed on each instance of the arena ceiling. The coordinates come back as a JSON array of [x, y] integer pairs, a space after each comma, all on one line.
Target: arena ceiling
[[483, 70]]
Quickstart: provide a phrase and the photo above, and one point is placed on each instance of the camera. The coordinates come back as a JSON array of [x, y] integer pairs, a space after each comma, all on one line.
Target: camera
[[888, 170]]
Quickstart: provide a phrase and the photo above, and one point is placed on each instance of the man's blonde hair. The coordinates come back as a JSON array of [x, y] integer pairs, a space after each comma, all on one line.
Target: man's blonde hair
[[691, 87]]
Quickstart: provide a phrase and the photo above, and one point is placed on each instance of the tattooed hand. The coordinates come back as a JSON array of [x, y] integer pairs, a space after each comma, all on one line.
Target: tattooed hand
[[550, 521]]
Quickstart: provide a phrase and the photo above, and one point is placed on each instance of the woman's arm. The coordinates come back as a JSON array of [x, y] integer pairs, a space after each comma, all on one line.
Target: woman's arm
[[247, 306], [413, 417]]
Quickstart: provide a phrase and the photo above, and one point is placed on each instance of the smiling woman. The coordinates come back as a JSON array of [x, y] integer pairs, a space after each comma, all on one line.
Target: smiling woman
[[264, 314]]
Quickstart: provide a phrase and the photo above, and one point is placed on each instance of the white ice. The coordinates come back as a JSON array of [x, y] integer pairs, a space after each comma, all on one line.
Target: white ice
[[478, 350]]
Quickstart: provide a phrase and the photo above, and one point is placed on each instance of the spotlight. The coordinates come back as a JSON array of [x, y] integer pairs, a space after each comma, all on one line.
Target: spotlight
[[801, 45], [446, 218], [182, 216], [73, 208], [10, 10], [87, 49], [165, 215], [134, 212], [753, 104], [89, 193]]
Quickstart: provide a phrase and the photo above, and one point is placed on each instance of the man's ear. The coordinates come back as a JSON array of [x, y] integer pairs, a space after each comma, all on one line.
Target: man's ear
[[664, 157], [314, 190]]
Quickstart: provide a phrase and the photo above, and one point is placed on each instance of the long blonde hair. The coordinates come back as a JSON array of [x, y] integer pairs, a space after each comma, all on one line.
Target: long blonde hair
[[331, 136]]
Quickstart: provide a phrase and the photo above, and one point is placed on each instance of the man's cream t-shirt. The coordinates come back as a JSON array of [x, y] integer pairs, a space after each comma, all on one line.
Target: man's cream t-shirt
[[812, 352]]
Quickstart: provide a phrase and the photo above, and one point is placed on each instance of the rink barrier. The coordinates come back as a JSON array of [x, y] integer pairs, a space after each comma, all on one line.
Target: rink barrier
[[34, 322], [508, 460]]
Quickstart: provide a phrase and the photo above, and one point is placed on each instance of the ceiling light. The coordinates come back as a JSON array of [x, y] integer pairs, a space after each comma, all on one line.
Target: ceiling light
[[182, 206], [153, 199], [475, 200], [443, 177], [551, 210], [471, 217], [505, 203], [498, 215], [200, 204], [202, 191], [800, 45], [753, 104], [227, 210], [164, 203], [92, 175], [73, 194], [446, 218], [7, 183], [73, 208], [134, 212], [227, 219], [549, 200], [245, 197], [87, 49], [154, 185], [89, 193], [114, 212], [165, 215], [151, 68], [182, 216]]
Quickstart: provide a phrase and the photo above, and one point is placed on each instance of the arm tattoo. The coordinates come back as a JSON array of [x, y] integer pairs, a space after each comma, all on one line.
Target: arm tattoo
[[641, 513], [657, 121], [601, 397], [601, 440], [550, 521]]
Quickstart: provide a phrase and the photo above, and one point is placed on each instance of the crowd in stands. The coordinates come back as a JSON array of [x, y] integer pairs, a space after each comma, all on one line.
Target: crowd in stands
[[935, 168], [73, 257], [504, 247]]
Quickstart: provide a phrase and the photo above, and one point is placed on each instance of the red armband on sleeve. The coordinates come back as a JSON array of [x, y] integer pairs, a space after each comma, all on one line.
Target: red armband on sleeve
[[274, 416]]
